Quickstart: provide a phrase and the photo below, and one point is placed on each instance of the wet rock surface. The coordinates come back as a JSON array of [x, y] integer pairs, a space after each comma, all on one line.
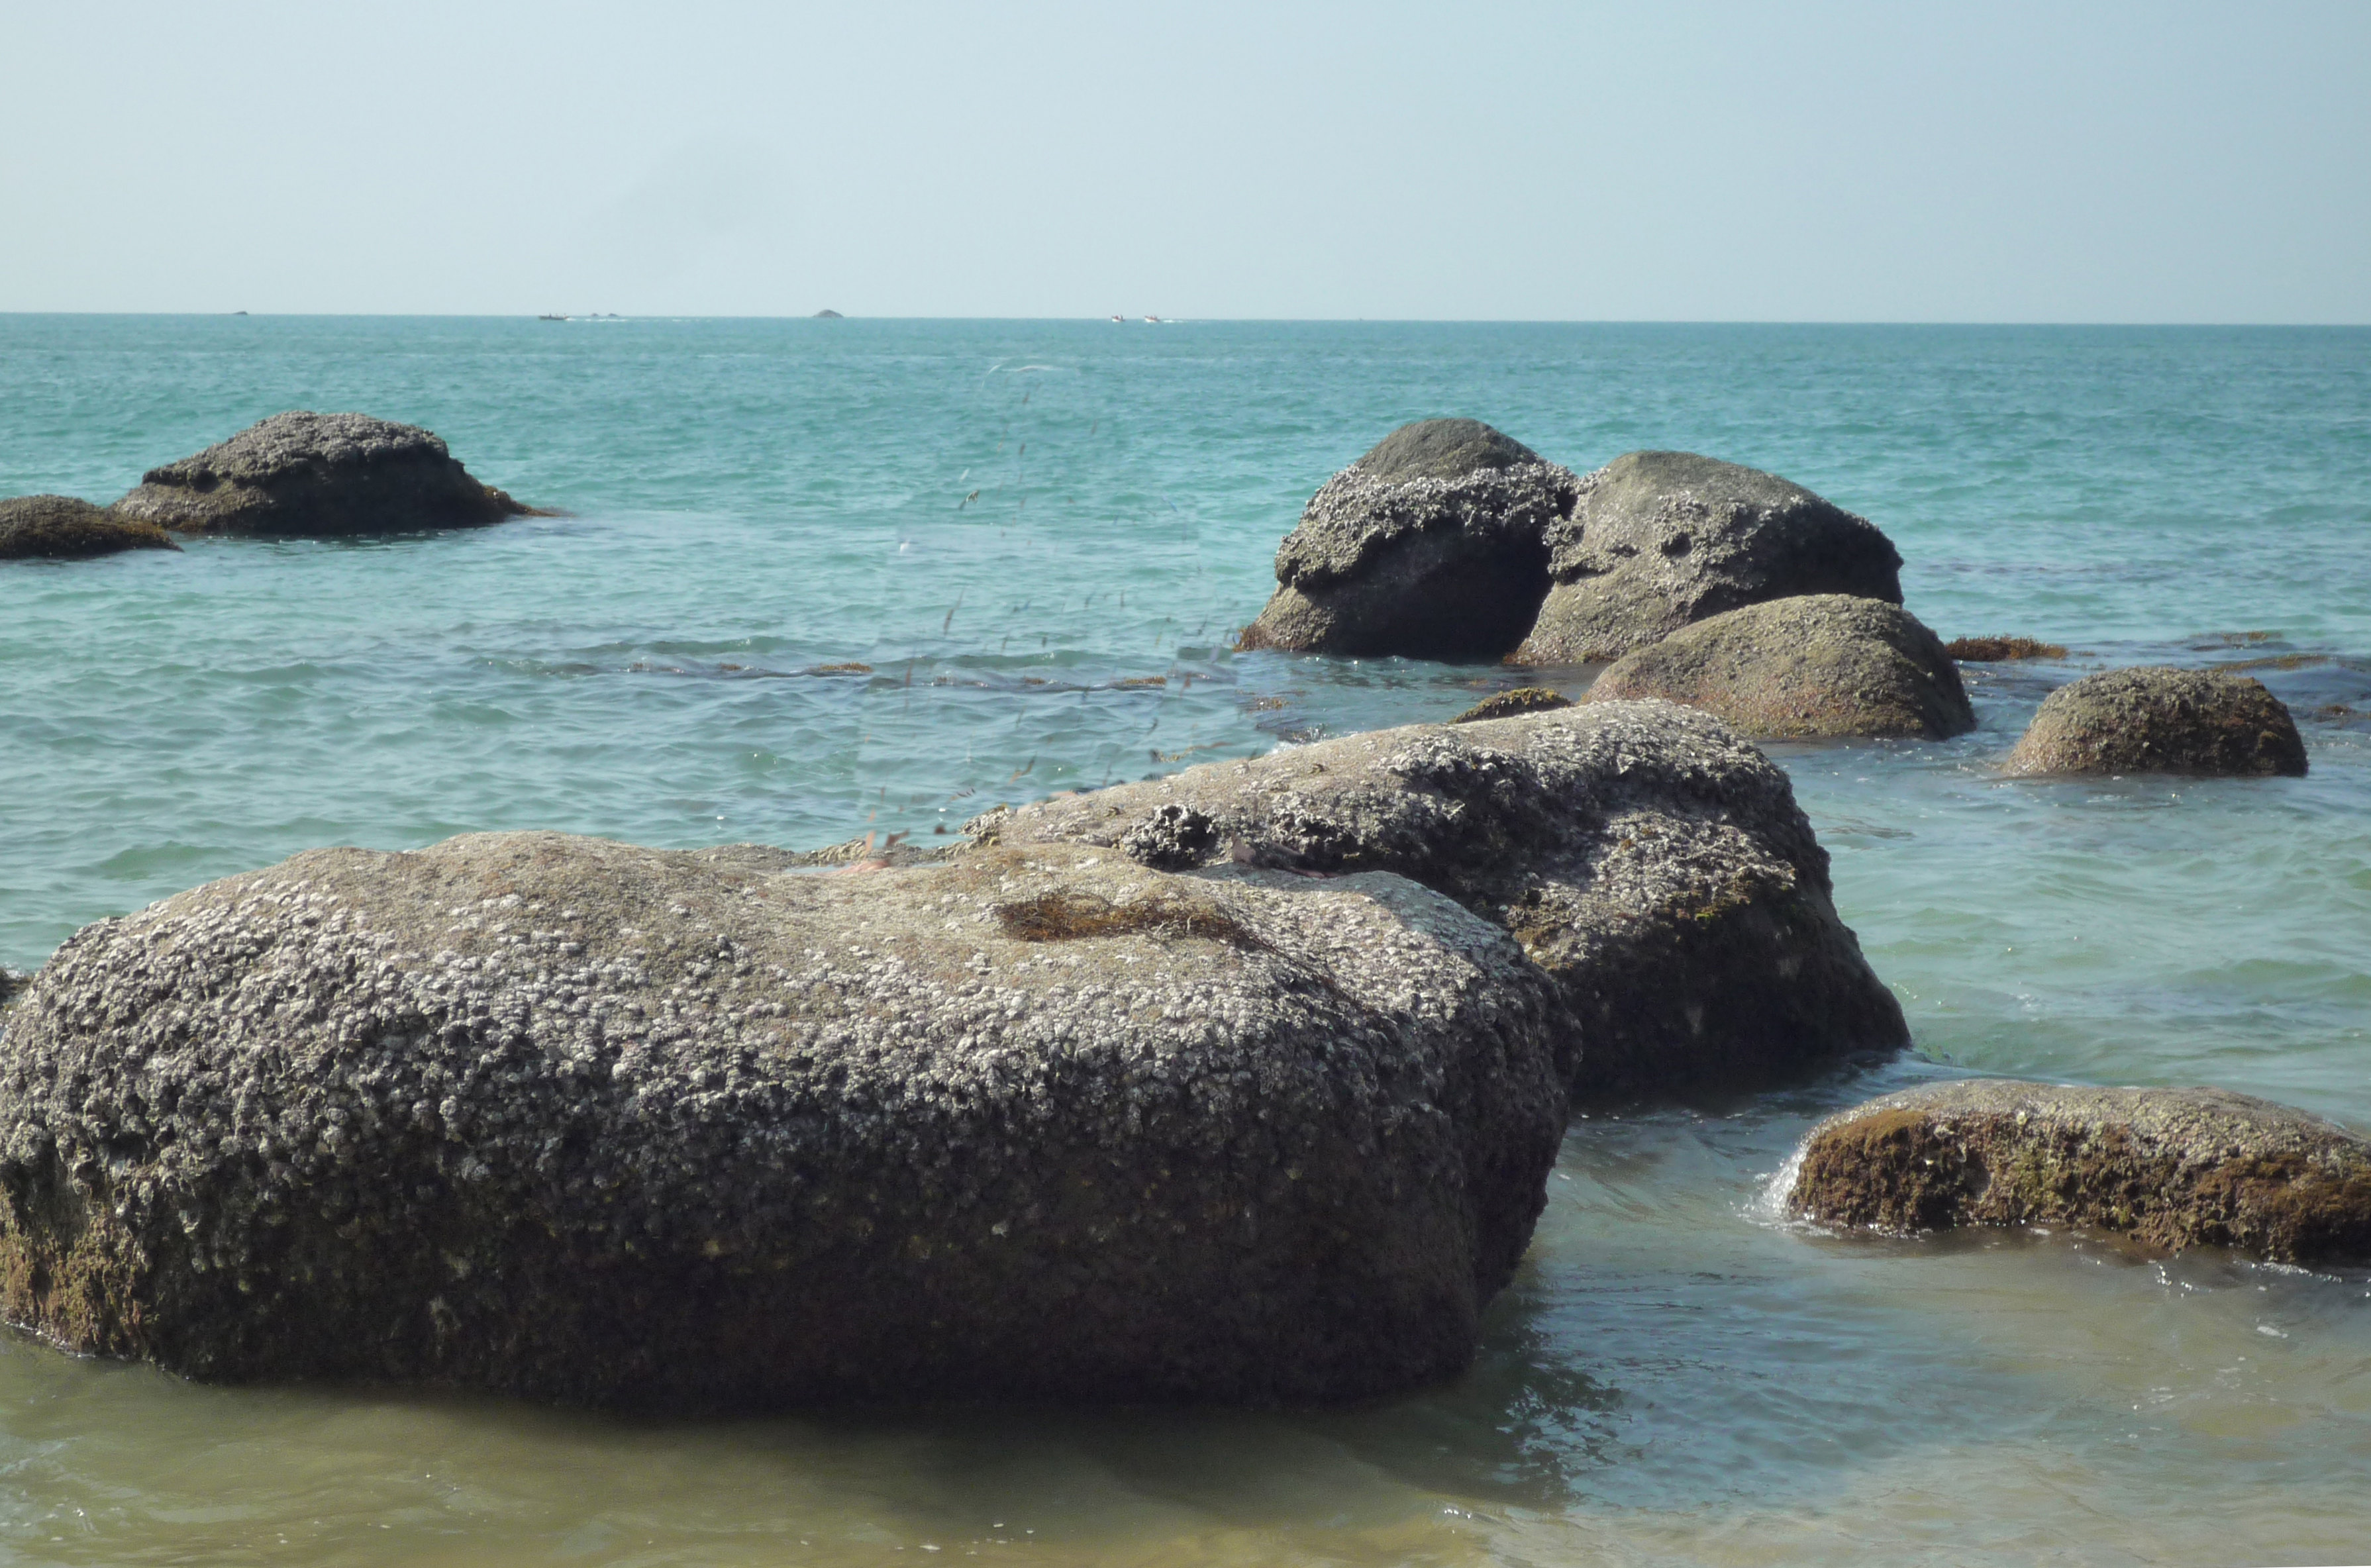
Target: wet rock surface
[[1653, 863], [1431, 546], [2171, 1168], [308, 475], [2156, 718], [1819, 665], [584, 1121], [1656, 541], [61, 527]]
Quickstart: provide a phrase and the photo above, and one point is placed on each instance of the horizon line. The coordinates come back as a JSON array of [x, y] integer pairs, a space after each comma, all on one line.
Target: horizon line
[[1193, 320]]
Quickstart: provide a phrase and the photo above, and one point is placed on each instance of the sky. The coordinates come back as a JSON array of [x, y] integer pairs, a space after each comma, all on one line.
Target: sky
[[2066, 162]]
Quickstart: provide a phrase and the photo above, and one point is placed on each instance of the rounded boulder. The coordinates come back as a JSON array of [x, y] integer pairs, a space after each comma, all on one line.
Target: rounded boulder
[[2171, 1168], [1431, 546], [1824, 665], [317, 475], [1652, 863], [1656, 541], [2156, 719], [704, 1129]]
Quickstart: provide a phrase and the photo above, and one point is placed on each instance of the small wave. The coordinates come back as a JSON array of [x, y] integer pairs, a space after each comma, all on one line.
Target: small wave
[[1768, 1206]]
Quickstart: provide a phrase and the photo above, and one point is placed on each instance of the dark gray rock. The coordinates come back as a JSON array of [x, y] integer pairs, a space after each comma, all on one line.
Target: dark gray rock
[[2156, 719], [1431, 546], [588, 1121], [59, 527], [1654, 864], [320, 476], [1821, 664], [2171, 1168], [1659, 539]]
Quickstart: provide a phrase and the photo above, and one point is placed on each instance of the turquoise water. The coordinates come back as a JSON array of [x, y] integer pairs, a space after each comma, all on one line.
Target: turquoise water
[[1020, 528]]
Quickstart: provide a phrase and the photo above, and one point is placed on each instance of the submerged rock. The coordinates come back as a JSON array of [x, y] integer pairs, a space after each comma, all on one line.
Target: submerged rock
[[1654, 864], [1432, 546], [583, 1121], [61, 527], [2160, 719], [317, 475], [1659, 539], [2172, 1168], [1508, 704], [1819, 664], [2000, 650]]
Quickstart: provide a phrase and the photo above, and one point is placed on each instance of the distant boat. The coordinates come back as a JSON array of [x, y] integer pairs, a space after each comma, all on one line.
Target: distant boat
[[1120, 318], [1154, 319], [551, 318]]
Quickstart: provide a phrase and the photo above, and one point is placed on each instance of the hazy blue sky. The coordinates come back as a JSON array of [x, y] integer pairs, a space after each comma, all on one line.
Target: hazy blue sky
[[1907, 161]]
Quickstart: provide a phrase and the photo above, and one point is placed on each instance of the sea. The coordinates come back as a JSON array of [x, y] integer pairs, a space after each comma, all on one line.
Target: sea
[[817, 579]]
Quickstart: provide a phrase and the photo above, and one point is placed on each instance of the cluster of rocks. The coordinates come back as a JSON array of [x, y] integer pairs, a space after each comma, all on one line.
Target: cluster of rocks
[[1703, 582], [295, 475], [1241, 1086], [1741, 594], [1452, 541]]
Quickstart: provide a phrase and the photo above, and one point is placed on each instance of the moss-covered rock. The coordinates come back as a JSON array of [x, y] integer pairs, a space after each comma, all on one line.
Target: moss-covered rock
[[583, 1121], [2171, 1168], [59, 527], [1823, 664], [1656, 541], [1650, 861], [318, 476], [1431, 546], [1508, 704], [2156, 719]]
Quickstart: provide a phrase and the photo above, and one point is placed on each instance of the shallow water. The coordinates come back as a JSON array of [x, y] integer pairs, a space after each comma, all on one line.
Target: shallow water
[[1676, 1377]]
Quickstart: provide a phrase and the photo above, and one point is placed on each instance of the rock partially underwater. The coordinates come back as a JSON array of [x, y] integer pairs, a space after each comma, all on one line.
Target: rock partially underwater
[[317, 475], [1656, 540], [1431, 546], [2156, 718], [2171, 1168], [1819, 665], [61, 527], [584, 1121], [1651, 863]]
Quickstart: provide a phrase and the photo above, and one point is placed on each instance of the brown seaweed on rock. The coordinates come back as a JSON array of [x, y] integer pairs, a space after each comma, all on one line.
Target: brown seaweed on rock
[[61, 527], [2000, 650], [2171, 1168]]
